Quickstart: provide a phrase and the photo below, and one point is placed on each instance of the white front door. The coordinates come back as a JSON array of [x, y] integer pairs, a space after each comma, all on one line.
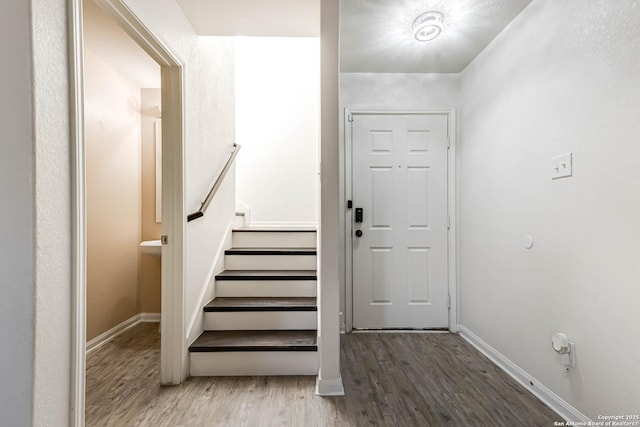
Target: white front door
[[400, 260]]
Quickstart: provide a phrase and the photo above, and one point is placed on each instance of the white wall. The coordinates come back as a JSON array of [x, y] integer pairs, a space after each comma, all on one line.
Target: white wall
[[209, 131], [399, 91], [209, 128], [52, 370], [377, 91], [17, 215], [329, 379], [277, 111], [562, 78]]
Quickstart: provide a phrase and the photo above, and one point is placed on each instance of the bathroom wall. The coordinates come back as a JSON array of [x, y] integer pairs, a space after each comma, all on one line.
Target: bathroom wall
[[117, 70], [562, 78], [277, 110], [149, 269], [112, 131]]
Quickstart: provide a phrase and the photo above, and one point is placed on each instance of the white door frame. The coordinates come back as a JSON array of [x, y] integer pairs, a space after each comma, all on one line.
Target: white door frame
[[173, 360], [451, 207]]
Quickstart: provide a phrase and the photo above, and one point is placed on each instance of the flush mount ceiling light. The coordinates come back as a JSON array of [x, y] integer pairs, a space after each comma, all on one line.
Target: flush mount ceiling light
[[428, 26]]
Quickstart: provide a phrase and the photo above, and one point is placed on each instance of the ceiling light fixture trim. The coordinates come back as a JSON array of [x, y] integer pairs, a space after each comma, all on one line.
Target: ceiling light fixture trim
[[428, 26]]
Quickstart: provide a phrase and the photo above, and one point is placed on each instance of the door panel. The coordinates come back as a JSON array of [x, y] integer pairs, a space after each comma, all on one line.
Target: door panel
[[400, 261], [381, 188]]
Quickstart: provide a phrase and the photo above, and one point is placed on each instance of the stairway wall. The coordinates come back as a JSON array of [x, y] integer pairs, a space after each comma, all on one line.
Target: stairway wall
[[210, 134], [277, 84], [195, 324]]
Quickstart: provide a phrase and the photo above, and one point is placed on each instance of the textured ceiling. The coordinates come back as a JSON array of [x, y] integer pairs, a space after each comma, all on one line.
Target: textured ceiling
[[292, 18], [376, 35], [105, 38]]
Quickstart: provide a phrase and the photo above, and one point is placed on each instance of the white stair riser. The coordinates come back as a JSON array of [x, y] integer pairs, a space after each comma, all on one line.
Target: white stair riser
[[266, 288], [274, 239], [263, 320], [270, 262], [253, 363]]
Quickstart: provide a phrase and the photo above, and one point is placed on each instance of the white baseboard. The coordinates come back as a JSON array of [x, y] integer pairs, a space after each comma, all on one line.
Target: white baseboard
[[105, 337], [332, 387], [149, 317], [548, 397]]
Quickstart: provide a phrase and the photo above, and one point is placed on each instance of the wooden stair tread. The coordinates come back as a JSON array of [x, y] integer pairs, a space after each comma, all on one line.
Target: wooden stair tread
[[216, 341], [261, 304], [271, 251], [267, 275]]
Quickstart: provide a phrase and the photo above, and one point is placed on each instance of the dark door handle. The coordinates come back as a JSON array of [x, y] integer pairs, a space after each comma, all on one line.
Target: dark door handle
[[358, 233], [358, 215]]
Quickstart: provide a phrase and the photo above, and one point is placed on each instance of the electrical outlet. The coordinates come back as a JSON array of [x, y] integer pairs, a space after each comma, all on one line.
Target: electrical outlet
[[561, 166]]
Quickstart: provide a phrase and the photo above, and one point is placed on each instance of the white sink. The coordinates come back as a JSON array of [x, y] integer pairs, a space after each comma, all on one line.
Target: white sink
[[151, 247]]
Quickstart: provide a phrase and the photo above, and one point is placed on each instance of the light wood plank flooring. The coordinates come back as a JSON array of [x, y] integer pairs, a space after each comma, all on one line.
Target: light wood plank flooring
[[390, 380]]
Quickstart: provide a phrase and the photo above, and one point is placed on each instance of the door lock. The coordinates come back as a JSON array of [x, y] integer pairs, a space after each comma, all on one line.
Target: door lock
[[359, 233], [358, 215]]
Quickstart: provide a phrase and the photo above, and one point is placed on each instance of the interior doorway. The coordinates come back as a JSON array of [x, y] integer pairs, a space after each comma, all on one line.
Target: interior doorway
[[122, 98], [173, 352], [399, 239]]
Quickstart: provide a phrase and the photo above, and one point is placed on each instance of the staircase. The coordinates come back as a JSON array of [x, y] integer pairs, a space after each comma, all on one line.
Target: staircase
[[263, 320]]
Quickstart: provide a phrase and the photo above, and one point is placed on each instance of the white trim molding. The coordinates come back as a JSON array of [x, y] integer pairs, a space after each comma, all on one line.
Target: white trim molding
[[78, 216], [97, 342], [150, 317], [548, 397], [332, 387]]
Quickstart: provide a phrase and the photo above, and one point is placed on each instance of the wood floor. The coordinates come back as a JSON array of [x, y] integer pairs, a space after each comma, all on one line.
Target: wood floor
[[390, 380]]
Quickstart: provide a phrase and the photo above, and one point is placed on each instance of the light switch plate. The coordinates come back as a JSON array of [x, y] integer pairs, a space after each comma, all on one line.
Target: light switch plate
[[561, 166]]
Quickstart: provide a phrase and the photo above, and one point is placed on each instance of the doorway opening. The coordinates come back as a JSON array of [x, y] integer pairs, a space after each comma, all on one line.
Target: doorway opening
[[122, 98], [173, 356], [400, 220]]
